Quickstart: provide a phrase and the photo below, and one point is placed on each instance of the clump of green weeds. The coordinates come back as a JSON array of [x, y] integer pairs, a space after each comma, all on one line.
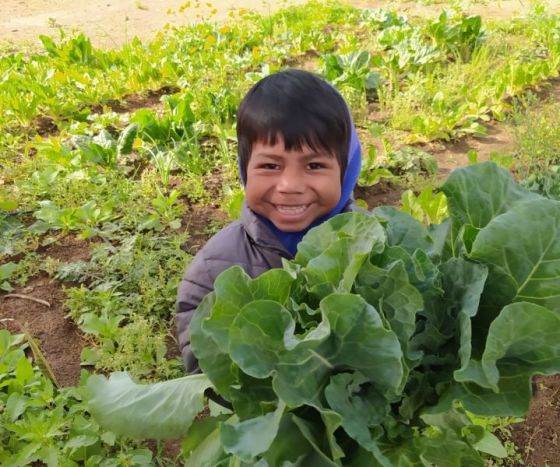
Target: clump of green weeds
[[139, 346], [126, 301], [500, 426], [537, 146], [42, 423]]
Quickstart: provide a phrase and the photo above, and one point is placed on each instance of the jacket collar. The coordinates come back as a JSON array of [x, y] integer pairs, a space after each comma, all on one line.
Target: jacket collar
[[263, 236], [260, 233]]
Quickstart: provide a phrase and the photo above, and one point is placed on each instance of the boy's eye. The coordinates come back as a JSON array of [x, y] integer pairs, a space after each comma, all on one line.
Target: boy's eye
[[269, 166], [314, 165]]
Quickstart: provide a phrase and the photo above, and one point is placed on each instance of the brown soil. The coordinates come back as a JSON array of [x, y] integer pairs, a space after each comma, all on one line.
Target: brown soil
[[131, 102], [499, 139], [201, 223], [538, 438], [58, 338], [68, 250], [381, 194], [44, 126], [111, 23]]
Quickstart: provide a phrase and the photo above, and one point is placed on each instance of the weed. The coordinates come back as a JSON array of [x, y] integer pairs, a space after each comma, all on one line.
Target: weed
[[501, 427], [31, 265], [44, 424], [537, 143], [167, 212], [6, 272], [140, 349]]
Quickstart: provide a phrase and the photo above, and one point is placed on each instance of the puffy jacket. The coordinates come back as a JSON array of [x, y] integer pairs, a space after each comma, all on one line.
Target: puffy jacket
[[248, 243]]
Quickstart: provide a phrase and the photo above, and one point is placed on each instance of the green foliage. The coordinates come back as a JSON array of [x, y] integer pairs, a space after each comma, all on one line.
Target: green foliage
[[13, 235], [536, 151], [545, 182], [43, 424], [234, 202], [377, 52], [86, 218], [103, 148], [407, 163], [75, 50], [167, 212], [7, 204], [128, 303], [6, 271], [460, 35], [502, 427], [31, 265], [176, 122], [352, 70], [370, 172], [126, 140], [140, 347], [180, 406], [410, 162], [372, 344], [427, 207]]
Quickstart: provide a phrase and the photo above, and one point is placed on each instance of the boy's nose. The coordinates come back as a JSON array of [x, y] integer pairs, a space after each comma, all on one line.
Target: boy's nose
[[290, 181]]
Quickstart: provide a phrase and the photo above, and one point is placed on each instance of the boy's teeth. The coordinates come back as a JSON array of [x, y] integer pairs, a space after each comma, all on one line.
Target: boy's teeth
[[291, 209]]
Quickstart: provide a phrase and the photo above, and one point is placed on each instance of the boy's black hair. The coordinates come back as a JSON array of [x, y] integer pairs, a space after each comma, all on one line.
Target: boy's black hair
[[300, 107]]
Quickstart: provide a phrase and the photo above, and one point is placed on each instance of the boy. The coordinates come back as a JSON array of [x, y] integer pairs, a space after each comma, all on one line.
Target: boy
[[299, 160]]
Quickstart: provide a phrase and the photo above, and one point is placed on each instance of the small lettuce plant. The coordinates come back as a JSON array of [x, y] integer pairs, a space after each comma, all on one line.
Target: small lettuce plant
[[374, 345]]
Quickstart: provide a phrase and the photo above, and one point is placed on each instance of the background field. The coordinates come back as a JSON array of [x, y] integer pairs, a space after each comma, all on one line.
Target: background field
[[111, 23]]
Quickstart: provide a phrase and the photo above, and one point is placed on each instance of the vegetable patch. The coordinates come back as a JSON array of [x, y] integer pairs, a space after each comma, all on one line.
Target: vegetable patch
[[374, 345]]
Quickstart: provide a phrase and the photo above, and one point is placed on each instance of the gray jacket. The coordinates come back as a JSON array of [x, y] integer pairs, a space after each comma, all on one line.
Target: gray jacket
[[248, 243]]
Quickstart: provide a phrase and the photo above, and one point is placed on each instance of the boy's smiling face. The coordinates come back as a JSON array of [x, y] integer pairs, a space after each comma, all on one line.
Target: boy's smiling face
[[291, 188]]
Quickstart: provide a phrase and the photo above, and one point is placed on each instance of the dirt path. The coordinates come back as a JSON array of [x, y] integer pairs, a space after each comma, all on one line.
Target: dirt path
[[110, 23], [489, 10]]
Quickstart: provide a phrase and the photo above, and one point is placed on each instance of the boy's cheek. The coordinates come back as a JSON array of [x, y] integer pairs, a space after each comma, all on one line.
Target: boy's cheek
[[252, 199]]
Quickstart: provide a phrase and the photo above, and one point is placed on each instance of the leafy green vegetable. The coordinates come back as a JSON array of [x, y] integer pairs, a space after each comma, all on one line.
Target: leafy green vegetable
[[126, 139], [113, 402], [6, 271], [252, 437], [369, 347]]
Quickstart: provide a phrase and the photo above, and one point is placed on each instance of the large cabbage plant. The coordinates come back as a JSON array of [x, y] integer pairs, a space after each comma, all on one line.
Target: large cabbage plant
[[373, 345]]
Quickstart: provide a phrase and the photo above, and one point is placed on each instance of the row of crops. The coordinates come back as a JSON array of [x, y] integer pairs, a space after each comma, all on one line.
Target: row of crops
[[119, 147]]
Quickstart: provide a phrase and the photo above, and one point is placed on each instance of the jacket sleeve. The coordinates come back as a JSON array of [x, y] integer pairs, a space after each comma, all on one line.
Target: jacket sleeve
[[195, 285]]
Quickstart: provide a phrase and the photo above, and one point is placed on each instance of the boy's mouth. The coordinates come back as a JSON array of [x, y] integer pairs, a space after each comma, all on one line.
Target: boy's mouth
[[291, 210]]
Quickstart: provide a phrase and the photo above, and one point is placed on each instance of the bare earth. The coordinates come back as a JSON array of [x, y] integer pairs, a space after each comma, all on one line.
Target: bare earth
[[110, 23]]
